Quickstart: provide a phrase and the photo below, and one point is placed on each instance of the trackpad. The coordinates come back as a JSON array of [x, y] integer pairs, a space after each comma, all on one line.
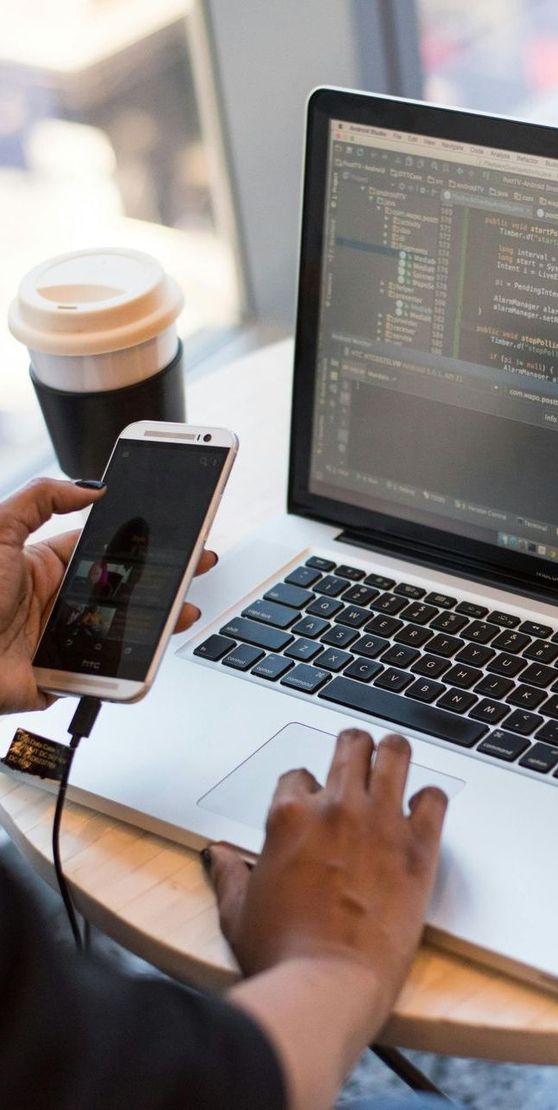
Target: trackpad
[[245, 794]]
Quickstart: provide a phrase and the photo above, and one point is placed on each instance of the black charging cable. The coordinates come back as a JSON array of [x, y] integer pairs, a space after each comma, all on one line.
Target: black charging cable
[[81, 726]]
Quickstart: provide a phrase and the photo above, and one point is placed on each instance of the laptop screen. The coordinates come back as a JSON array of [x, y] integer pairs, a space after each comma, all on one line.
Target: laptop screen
[[435, 398]]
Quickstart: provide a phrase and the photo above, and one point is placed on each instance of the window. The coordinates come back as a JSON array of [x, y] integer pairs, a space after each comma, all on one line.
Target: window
[[102, 143], [500, 56]]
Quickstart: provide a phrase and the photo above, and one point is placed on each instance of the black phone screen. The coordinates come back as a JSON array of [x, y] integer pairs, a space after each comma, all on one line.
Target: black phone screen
[[130, 559]]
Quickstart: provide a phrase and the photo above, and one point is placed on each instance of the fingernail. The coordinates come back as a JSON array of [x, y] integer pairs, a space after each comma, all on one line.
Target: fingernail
[[205, 856], [89, 483]]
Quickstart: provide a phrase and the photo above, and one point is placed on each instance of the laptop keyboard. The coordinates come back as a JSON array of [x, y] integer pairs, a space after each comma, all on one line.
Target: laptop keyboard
[[480, 679]]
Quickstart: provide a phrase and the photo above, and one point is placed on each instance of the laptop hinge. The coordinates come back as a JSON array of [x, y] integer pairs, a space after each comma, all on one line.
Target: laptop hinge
[[475, 570]]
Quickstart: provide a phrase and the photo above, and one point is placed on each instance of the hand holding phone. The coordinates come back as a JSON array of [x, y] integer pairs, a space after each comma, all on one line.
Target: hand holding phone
[[126, 580]]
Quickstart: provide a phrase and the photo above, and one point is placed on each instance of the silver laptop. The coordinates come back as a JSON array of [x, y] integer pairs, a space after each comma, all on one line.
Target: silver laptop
[[413, 582]]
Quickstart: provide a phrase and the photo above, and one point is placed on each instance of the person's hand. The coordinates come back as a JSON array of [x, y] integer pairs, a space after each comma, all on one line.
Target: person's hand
[[344, 874], [30, 576]]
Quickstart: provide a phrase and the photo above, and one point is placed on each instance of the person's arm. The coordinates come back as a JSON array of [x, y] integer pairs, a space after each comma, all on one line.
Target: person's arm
[[75, 1034], [325, 926], [330, 917]]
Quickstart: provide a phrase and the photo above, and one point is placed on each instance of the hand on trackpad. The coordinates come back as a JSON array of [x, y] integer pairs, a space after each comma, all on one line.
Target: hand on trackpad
[[245, 794]]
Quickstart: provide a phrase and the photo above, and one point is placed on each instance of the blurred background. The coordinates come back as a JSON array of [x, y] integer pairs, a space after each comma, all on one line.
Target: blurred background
[[176, 127]]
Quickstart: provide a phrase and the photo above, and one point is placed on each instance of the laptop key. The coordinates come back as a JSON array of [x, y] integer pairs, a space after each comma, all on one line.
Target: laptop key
[[303, 576], [338, 636], [431, 666], [494, 686], [531, 628], [510, 641], [449, 622], [388, 603], [214, 648], [383, 626], [527, 697], [403, 712], [353, 616], [318, 563], [305, 677], [459, 701], [363, 669], [253, 632], [540, 758], [392, 679], [445, 645], [506, 620], [270, 613], [408, 590], [359, 595], [309, 626], [502, 745], [333, 659], [379, 581], [524, 723], [443, 601], [413, 635], [550, 707], [491, 712], [419, 613], [506, 664], [425, 690], [548, 732], [543, 653], [398, 655], [242, 657], [480, 632], [272, 667], [330, 585], [475, 654], [353, 573], [539, 675], [463, 676], [370, 646], [324, 607], [303, 649], [469, 609], [289, 595]]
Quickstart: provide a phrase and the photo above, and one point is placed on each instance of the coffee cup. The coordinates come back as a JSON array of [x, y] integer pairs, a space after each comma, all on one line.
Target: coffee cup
[[100, 328]]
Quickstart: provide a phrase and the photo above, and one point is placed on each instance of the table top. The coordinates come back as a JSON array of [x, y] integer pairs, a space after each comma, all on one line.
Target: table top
[[152, 895]]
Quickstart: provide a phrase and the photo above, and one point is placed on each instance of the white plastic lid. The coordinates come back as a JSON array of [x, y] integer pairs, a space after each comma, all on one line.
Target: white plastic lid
[[92, 302]]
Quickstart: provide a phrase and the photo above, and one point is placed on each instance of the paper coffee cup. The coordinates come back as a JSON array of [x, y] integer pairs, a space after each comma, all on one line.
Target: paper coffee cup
[[97, 320], [100, 327]]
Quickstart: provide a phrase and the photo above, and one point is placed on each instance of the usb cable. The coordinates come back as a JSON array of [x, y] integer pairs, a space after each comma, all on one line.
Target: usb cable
[[81, 725]]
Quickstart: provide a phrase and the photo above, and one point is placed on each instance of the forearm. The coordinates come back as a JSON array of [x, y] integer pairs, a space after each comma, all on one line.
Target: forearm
[[319, 1015]]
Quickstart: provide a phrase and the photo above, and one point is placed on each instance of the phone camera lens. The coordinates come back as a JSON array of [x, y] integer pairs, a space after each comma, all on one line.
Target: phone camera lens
[[207, 437]]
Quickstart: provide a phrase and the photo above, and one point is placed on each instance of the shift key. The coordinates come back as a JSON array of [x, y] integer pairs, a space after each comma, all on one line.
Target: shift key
[[252, 632]]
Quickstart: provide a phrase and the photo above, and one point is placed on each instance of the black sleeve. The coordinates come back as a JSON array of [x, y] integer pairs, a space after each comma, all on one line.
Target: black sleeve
[[76, 1035]]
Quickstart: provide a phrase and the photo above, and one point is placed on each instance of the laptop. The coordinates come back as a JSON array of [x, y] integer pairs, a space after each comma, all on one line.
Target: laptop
[[412, 584]]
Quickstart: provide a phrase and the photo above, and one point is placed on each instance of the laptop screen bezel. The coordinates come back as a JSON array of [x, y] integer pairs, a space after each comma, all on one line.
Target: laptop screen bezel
[[470, 557]]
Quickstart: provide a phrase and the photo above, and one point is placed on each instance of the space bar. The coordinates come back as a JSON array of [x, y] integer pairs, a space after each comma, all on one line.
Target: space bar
[[403, 711]]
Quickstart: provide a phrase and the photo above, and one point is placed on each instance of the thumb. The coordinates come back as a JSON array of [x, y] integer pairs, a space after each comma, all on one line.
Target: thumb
[[230, 876], [33, 505]]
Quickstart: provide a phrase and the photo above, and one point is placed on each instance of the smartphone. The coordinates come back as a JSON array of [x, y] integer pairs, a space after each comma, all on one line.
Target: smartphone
[[125, 583]]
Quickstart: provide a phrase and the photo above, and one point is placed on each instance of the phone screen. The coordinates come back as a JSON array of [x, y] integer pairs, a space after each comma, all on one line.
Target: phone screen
[[130, 559]]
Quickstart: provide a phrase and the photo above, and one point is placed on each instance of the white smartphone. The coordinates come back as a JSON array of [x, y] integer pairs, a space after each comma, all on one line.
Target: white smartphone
[[125, 583]]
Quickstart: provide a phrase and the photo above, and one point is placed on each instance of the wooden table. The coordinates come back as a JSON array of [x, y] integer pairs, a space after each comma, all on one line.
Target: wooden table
[[153, 897]]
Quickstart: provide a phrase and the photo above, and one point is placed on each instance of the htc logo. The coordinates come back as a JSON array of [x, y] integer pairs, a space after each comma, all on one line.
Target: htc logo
[[91, 664]]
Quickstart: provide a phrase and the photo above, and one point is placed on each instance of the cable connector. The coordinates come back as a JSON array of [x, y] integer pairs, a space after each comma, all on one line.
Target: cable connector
[[85, 716]]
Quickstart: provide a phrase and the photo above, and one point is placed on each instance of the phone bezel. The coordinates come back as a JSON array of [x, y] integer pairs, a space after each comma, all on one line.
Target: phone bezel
[[108, 687]]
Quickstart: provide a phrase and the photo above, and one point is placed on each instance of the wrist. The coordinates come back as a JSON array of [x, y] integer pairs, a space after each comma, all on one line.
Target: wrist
[[319, 1012]]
